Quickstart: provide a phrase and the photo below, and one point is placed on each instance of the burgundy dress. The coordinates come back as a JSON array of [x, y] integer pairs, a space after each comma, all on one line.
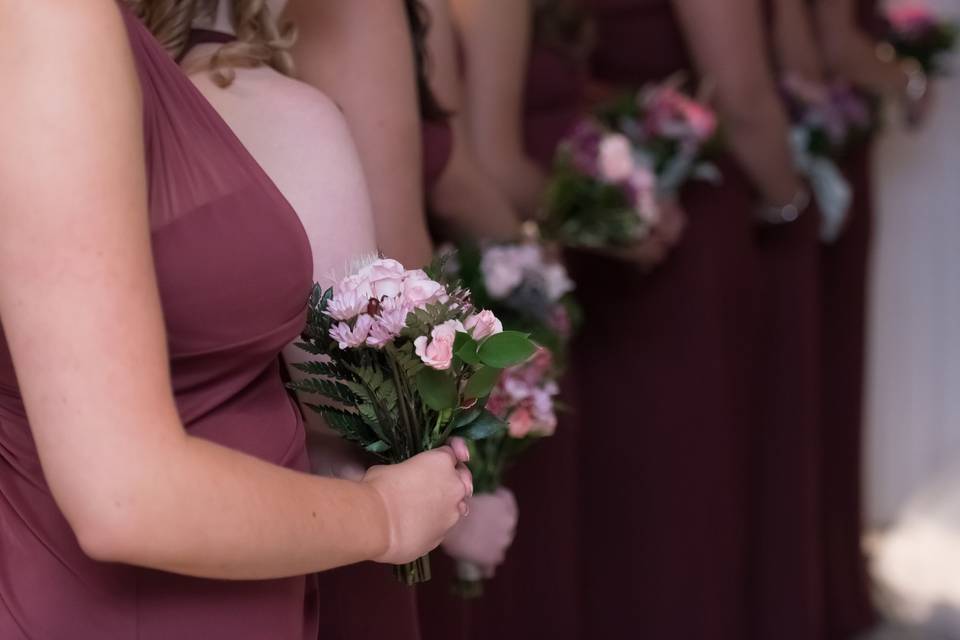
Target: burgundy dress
[[233, 265], [535, 593], [786, 598], [849, 610], [664, 373]]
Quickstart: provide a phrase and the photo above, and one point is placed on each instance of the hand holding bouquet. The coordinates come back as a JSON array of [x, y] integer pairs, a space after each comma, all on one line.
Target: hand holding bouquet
[[828, 121], [530, 293], [405, 364], [611, 171]]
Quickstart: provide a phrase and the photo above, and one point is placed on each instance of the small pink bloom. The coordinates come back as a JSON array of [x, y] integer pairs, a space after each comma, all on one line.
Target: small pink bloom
[[355, 284], [911, 17], [385, 278], [502, 272], [520, 423], [347, 305], [437, 351], [348, 337], [388, 325], [643, 182], [483, 325], [616, 158]]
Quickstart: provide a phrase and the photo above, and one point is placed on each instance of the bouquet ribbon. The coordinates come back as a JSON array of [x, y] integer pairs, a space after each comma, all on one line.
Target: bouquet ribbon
[[830, 188]]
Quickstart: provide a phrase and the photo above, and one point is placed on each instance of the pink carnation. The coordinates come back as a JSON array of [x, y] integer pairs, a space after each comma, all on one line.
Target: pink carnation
[[483, 325], [388, 324], [348, 337], [347, 305], [616, 158], [437, 351]]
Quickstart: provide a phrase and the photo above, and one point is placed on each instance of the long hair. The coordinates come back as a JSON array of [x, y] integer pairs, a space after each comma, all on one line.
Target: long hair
[[418, 18], [260, 40]]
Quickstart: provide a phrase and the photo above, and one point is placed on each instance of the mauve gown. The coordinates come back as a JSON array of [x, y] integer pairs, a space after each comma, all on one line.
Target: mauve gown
[[849, 609], [786, 598], [664, 373], [233, 265]]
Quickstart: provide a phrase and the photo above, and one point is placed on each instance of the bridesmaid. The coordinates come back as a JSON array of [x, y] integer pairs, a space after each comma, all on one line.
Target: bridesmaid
[[674, 349], [536, 593], [187, 379], [383, 46], [849, 32]]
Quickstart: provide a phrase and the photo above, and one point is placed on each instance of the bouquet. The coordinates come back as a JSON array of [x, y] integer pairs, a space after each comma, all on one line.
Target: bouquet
[[598, 195], [915, 32], [609, 172], [669, 130], [405, 363], [533, 294], [827, 122]]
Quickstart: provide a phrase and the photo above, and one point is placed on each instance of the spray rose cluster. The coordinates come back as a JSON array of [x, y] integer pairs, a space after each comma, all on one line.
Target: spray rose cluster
[[668, 113], [526, 397], [916, 33]]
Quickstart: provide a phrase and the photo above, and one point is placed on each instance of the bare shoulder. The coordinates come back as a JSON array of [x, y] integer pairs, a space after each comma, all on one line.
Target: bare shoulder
[[62, 25], [273, 104]]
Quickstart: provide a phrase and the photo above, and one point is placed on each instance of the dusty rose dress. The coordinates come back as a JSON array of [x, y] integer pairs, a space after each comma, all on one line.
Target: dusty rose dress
[[664, 370], [234, 269]]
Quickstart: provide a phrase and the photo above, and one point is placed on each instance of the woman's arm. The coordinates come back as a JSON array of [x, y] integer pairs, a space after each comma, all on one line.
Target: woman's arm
[[496, 37], [795, 42], [361, 55], [851, 53], [728, 45], [466, 201], [135, 487]]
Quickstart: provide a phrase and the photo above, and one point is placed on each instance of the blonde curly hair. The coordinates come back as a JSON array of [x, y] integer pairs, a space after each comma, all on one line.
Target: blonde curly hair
[[260, 39]]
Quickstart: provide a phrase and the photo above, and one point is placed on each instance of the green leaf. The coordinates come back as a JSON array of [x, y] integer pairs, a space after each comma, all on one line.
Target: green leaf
[[485, 426], [506, 349], [465, 348], [377, 447], [438, 389], [482, 382]]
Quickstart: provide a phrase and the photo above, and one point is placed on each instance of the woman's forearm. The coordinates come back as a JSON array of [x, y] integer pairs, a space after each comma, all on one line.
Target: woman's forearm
[[196, 508]]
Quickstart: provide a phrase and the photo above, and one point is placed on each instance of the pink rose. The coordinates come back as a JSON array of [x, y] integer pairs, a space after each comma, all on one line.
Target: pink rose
[[419, 290], [385, 278], [616, 158], [643, 182], [347, 305], [349, 337], [483, 325], [437, 351], [520, 422]]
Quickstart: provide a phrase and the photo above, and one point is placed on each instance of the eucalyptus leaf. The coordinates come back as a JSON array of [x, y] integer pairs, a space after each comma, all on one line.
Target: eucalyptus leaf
[[482, 382], [485, 425], [506, 349], [438, 389]]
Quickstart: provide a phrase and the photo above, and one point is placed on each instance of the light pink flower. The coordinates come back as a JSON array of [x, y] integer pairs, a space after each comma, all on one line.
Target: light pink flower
[[643, 182], [520, 422], [437, 350], [911, 17], [387, 326], [419, 290], [557, 280], [483, 325], [348, 337], [347, 305], [616, 158], [385, 278], [355, 284]]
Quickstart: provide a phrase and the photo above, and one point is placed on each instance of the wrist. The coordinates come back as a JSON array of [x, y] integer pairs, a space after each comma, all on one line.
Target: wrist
[[787, 212], [382, 537]]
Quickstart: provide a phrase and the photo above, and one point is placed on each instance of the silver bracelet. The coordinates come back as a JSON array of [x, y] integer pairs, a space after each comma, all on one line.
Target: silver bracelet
[[787, 213]]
